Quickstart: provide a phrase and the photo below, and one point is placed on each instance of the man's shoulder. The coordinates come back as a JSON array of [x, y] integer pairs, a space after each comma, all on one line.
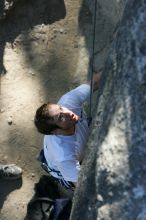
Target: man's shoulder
[[55, 139], [53, 147], [60, 146], [58, 140]]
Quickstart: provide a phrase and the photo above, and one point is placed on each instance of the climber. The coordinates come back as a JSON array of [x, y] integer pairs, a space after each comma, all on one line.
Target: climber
[[66, 132]]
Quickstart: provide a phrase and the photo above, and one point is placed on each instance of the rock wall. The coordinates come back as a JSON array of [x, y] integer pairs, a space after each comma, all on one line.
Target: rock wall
[[106, 18], [112, 185]]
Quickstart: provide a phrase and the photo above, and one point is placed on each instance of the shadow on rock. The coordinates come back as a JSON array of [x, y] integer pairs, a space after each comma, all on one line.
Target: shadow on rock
[[6, 187]]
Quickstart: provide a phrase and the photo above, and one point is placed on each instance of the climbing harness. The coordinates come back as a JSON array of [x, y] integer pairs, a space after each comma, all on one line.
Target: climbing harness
[[67, 184], [91, 65]]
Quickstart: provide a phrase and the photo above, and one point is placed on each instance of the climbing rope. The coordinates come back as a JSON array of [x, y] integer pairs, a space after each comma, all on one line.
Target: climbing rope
[[91, 64]]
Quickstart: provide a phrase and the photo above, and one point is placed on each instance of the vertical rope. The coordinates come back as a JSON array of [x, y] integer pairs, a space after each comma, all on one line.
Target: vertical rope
[[92, 62]]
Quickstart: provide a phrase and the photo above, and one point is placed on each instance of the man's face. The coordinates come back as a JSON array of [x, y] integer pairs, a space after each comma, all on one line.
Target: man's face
[[62, 116]]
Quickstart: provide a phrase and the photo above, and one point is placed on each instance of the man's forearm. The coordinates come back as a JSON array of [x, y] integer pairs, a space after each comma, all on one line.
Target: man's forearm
[[95, 80]]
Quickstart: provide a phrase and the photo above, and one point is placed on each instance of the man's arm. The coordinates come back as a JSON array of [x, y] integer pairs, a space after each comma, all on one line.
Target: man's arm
[[75, 98]]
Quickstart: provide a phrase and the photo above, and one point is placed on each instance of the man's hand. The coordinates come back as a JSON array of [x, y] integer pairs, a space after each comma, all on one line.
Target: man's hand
[[95, 80]]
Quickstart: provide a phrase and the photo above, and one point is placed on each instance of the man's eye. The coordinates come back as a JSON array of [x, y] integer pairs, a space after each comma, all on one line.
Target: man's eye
[[60, 108], [61, 117]]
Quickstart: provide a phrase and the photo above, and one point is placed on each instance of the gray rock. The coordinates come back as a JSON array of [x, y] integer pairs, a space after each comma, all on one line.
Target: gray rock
[[9, 120], [114, 165]]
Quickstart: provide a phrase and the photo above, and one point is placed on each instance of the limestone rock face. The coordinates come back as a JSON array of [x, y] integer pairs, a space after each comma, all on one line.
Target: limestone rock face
[[6, 6], [112, 184]]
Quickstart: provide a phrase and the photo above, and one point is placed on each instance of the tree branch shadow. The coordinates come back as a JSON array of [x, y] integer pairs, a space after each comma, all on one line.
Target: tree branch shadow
[[24, 17]]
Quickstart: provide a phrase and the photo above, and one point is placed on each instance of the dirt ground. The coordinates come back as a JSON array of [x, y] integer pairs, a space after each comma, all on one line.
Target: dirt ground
[[42, 55], [45, 47]]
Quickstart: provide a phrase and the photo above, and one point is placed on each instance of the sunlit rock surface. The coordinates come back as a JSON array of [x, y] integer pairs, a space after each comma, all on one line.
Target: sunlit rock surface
[[112, 185]]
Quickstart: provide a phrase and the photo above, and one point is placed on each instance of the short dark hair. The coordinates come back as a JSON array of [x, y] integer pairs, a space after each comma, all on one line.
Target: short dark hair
[[42, 119]]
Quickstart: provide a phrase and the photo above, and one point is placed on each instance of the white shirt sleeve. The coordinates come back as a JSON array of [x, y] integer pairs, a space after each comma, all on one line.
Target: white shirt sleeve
[[69, 170], [76, 97]]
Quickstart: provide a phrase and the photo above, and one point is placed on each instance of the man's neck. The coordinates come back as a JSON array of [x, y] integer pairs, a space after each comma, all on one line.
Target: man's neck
[[65, 132]]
